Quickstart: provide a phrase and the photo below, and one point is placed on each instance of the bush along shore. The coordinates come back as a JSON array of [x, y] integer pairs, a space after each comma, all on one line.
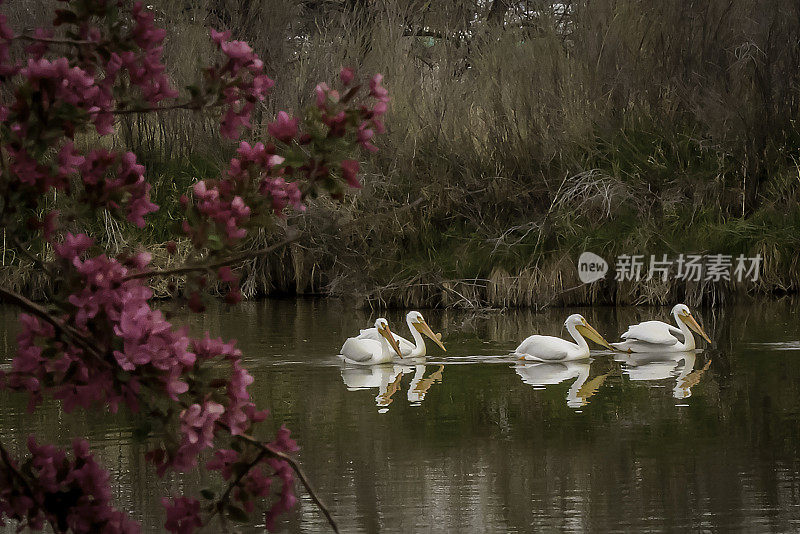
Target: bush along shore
[[517, 140]]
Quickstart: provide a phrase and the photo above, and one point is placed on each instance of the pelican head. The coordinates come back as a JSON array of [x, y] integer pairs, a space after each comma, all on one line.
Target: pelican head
[[682, 313], [382, 326], [415, 318], [577, 321]]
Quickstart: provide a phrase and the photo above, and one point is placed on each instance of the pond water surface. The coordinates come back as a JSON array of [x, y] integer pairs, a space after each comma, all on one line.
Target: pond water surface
[[471, 442]]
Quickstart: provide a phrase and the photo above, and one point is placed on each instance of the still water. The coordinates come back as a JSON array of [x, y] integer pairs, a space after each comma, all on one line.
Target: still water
[[472, 442]]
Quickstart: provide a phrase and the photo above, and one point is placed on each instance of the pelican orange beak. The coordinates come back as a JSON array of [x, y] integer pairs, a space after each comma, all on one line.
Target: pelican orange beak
[[587, 331], [423, 328], [692, 323], [386, 333]]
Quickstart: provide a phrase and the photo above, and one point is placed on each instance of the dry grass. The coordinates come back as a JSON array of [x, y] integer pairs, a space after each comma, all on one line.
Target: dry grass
[[616, 126]]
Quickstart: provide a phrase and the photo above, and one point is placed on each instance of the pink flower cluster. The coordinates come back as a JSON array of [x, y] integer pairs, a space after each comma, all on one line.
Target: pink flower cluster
[[283, 194], [259, 162], [244, 82], [71, 493], [110, 180], [183, 515], [252, 184], [221, 205], [284, 128], [258, 482], [240, 412], [115, 180], [371, 117], [144, 66], [60, 84], [111, 312], [340, 119], [200, 422], [102, 343], [148, 340]]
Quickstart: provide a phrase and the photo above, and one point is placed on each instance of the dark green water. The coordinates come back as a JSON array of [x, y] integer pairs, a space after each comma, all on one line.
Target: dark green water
[[474, 444]]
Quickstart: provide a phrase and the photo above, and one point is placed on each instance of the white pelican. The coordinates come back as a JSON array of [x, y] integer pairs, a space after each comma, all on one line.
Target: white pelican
[[657, 336], [553, 349], [416, 323], [545, 374], [370, 351]]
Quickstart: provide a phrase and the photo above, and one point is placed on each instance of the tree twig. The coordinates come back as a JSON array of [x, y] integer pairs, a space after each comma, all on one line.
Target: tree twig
[[50, 40], [155, 109], [267, 449], [238, 258], [76, 337], [14, 471], [36, 261]]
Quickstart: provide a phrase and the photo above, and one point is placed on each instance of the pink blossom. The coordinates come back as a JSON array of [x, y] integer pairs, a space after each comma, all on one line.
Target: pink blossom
[[183, 515], [226, 275], [69, 160], [346, 75], [237, 51], [376, 90], [218, 36], [350, 172], [243, 83], [322, 91], [78, 485], [364, 136], [287, 498], [282, 194], [116, 181], [235, 416], [73, 246], [284, 128], [284, 442], [144, 67], [223, 461]]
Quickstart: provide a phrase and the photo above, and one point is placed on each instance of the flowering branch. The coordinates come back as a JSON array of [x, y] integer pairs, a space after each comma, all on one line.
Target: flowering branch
[[101, 342], [303, 479], [63, 329]]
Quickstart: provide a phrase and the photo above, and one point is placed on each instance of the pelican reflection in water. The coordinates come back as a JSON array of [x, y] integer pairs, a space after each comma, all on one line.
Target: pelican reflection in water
[[546, 374], [420, 384], [387, 379], [661, 366]]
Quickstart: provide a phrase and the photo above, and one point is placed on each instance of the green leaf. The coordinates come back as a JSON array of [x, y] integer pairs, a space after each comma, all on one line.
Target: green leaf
[[214, 242], [207, 494], [142, 431], [237, 514]]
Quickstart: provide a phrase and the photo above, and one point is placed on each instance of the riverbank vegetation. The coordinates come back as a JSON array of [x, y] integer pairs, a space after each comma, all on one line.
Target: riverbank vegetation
[[521, 134]]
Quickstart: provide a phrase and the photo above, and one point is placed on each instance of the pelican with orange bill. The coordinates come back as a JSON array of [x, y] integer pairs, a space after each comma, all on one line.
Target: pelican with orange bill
[[370, 351], [554, 349], [418, 326], [658, 336]]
